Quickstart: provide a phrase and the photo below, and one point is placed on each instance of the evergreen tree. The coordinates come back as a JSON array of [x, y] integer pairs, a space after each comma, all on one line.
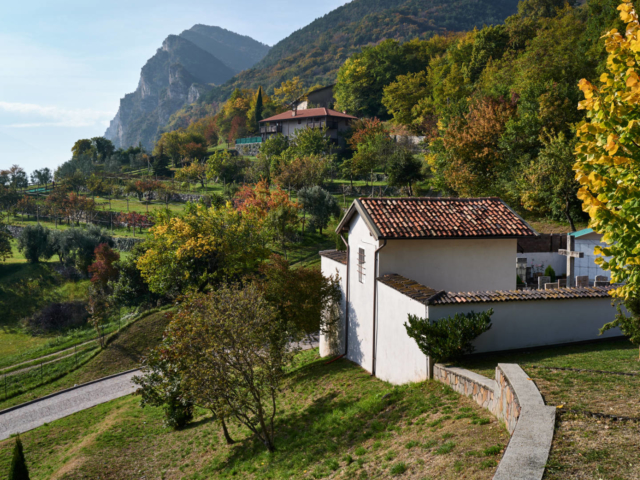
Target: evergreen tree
[[161, 164], [259, 106], [18, 469]]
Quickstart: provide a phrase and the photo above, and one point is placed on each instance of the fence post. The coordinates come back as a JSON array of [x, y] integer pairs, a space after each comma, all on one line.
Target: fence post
[[76, 354], [41, 373], [5, 386]]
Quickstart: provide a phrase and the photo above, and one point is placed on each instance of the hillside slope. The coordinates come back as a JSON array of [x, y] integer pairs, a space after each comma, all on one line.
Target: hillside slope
[[178, 74], [316, 52]]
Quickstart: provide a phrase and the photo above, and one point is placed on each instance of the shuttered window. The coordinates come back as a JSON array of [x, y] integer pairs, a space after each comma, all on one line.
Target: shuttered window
[[361, 268]]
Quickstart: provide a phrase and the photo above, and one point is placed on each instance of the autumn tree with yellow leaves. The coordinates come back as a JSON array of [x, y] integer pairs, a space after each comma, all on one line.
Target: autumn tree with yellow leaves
[[608, 165]]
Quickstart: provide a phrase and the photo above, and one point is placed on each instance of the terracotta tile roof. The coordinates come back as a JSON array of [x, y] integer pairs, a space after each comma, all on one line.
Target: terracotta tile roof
[[337, 255], [434, 217], [411, 288], [311, 112], [429, 296]]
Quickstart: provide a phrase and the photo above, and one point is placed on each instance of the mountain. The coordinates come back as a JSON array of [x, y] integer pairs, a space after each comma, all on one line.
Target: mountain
[[316, 52], [238, 52], [185, 67]]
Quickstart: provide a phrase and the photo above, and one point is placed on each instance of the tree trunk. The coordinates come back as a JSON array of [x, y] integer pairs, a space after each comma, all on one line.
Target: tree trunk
[[227, 437], [568, 215]]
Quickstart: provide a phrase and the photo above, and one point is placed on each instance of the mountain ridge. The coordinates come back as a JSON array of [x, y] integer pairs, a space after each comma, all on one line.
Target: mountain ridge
[[177, 74]]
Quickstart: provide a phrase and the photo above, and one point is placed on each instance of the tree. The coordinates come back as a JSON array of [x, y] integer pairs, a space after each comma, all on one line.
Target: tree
[[303, 297], [310, 141], [161, 165], [222, 166], [103, 269], [449, 337], [199, 247], [34, 243], [404, 169], [104, 148], [401, 96], [542, 8], [196, 172], [5, 243], [83, 147], [305, 171], [628, 324], [231, 352], [259, 107], [548, 185], [77, 246], [18, 469], [289, 91], [130, 289], [161, 386], [41, 177], [608, 156], [320, 204]]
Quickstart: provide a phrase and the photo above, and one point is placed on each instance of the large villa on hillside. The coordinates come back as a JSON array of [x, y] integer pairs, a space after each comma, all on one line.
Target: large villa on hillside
[[288, 123]]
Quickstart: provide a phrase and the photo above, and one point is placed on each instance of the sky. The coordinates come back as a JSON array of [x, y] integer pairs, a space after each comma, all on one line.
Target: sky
[[65, 64]]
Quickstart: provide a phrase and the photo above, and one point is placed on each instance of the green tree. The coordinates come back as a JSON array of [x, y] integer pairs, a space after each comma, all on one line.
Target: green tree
[[259, 107], [34, 243], [160, 385], [303, 297], [321, 206], [450, 337], [161, 165], [83, 147], [231, 352], [542, 8], [404, 169], [18, 469], [5, 243], [548, 185]]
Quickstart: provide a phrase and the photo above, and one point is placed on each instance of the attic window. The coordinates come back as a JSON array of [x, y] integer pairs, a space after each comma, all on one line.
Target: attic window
[[361, 265]]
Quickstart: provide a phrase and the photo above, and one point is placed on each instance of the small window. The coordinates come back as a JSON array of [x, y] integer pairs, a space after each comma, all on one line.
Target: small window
[[299, 122], [361, 268]]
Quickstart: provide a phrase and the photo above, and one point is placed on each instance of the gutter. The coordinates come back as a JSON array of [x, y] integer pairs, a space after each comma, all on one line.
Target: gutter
[[346, 303], [375, 305]]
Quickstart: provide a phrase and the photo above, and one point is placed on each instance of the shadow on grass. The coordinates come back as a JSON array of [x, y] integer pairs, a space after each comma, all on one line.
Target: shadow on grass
[[333, 422]]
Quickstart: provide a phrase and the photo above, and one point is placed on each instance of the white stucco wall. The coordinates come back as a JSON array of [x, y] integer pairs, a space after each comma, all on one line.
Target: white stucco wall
[[453, 265], [360, 330], [537, 323], [587, 265], [398, 358], [333, 344]]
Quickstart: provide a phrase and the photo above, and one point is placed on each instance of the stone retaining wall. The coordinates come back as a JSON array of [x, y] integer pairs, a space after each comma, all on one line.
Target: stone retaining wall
[[513, 398]]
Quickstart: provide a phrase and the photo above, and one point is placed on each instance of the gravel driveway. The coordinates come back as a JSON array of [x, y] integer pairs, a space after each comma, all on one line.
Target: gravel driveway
[[60, 405]]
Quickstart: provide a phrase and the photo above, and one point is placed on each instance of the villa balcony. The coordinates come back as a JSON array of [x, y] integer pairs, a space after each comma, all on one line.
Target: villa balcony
[[271, 129]]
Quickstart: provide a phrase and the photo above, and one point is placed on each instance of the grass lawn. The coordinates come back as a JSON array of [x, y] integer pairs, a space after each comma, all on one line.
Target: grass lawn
[[123, 353], [584, 447], [336, 421]]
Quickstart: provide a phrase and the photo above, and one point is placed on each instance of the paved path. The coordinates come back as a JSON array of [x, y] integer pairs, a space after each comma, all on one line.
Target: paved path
[[53, 407], [58, 406]]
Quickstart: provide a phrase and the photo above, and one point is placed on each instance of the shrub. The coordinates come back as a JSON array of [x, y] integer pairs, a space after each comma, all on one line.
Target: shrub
[[57, 317], [448, 337], [18, 469], [34, 243], [550, 272], [399, 468]]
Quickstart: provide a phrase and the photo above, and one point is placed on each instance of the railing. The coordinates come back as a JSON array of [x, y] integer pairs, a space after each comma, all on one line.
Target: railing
[[246, 140], [271, 129], [329, 125]]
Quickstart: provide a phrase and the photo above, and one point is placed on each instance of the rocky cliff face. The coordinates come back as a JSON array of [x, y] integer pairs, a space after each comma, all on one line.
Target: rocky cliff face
[[178, 74]]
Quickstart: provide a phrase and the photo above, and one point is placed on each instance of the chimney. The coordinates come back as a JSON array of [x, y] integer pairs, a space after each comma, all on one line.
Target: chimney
[[294, 112]]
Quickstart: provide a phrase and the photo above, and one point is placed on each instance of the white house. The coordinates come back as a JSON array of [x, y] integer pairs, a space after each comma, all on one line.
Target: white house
[[434, 257], [586, 241]]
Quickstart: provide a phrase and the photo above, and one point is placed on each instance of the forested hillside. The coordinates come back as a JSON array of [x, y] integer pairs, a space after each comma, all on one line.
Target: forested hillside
[[315, 52]]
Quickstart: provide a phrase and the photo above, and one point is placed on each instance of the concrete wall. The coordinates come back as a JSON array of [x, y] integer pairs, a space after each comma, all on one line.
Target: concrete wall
[[587, 265], [453, 265], [537, 323], [332, 343], [539, 261], [398, 358]]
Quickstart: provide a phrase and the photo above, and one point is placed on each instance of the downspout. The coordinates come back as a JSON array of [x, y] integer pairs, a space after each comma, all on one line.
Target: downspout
[[375, 310], [346, 302]]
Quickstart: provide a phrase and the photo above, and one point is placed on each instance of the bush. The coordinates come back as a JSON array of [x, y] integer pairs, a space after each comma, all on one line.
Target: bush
[[550, 272], [34, 242], [76, 246], [57, 317], [449, 337]]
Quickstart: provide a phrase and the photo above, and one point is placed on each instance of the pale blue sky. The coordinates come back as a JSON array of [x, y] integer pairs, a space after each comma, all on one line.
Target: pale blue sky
[[65, 64]]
